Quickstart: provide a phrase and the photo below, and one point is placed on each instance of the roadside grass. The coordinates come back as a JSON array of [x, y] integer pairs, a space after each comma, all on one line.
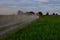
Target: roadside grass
[[44, 28], [2, 28]]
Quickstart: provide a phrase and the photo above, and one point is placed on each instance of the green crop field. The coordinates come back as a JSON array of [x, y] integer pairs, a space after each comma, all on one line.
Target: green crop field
[[44, 28]]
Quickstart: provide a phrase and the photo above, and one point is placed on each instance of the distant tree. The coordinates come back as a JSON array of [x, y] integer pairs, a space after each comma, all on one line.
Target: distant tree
[[53, 13], [20, 12], [56, 14], [31, 12], [47, 13], [40, 13]]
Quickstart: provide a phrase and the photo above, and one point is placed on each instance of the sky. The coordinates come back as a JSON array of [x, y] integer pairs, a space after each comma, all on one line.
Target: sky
[[30, 5]]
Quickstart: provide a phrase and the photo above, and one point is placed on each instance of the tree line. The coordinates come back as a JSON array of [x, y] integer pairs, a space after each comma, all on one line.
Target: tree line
[[40, 13]]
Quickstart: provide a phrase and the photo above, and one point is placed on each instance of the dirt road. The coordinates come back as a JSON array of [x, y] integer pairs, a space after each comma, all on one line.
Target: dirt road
[[17, 24]]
